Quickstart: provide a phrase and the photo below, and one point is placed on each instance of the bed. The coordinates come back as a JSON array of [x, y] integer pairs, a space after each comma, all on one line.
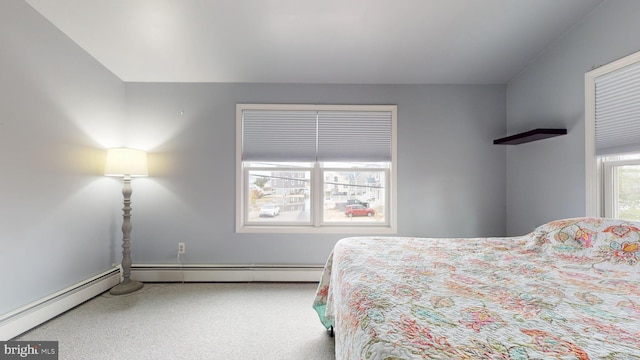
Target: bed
[[568, 290]]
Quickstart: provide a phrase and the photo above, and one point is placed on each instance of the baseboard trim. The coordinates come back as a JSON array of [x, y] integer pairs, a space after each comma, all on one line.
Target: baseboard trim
[[225, 273], [31, 315]]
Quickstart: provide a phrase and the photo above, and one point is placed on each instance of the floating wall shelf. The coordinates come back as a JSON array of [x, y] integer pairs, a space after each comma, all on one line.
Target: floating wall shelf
[[532, 135]]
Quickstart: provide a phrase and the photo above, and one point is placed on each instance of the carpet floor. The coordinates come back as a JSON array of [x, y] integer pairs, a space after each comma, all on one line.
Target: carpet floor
[[193, 321]]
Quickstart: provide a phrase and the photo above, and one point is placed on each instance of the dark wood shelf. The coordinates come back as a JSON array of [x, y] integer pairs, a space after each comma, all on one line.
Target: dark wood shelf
[[528, 136]]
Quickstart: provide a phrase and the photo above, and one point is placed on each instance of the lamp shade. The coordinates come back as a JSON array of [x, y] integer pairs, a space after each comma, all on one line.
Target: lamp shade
[[125, 161]]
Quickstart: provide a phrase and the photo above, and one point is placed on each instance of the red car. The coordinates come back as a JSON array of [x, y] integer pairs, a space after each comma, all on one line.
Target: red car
[[358, 210]]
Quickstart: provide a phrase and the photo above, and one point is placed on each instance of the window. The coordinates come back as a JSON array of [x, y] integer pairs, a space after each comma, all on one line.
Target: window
[[622, 186], [316, 168], [612, 130]]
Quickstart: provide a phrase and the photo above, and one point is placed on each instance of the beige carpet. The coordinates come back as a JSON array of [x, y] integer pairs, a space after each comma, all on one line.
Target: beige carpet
[[193, 321]]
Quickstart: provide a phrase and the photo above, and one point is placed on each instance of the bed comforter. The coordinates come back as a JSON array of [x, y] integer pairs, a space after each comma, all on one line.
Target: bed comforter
[[568, 290]]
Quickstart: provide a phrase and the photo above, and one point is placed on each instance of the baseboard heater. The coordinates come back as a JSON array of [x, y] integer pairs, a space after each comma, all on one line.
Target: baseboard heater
[[226, 273], [31, 315]]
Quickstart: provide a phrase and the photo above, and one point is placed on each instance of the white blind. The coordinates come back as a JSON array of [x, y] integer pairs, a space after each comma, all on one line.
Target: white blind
[[618, 111], [293, 135], [278, 135], [354, 136]]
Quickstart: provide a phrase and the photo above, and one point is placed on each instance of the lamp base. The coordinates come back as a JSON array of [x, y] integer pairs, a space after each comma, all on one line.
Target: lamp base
[[126, 287]]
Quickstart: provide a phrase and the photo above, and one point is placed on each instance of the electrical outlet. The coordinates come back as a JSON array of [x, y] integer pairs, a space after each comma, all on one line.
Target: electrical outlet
[[181, 248]]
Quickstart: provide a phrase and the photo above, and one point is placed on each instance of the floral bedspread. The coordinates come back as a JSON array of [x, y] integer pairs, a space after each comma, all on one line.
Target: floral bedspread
[[568, 290]]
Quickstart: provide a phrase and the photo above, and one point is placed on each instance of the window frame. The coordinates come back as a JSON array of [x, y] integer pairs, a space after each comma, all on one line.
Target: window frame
[[318, 225], [594, 165]]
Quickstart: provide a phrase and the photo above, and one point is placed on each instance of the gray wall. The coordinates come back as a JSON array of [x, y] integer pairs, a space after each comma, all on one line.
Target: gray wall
[[60, 218], [546, 179], [450, 176], [58, 108]]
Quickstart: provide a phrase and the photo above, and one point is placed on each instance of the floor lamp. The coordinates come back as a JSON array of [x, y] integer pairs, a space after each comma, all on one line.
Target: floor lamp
[[126, 163]]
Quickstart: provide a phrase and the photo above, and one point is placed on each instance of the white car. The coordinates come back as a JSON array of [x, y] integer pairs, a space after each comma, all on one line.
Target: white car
[[269, 210]]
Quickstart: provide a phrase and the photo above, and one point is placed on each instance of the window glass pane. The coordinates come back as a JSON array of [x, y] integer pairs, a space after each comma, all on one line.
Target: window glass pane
[[279, 196], [354, 196], [628, 196]]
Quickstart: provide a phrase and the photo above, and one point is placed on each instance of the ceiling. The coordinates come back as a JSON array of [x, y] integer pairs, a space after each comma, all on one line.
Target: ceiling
[[315, 41]]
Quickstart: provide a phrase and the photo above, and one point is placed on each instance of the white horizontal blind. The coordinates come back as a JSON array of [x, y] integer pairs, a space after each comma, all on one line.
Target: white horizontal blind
[[354, 136], [617, 120], [279, 135], [294, 135]]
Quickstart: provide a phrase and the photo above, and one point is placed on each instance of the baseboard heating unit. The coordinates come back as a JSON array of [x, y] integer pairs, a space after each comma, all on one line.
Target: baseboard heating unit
[[225, 273], [31, 315]]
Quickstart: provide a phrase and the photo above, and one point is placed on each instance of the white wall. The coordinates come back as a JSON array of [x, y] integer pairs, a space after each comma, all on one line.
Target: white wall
[[546, 179], [58, 108], [450, 176]]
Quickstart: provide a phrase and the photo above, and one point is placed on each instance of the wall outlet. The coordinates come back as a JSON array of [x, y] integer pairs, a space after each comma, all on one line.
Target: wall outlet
[[181, 248]]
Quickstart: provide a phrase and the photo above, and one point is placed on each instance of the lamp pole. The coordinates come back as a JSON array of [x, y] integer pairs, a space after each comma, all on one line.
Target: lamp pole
[[127, 285]]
